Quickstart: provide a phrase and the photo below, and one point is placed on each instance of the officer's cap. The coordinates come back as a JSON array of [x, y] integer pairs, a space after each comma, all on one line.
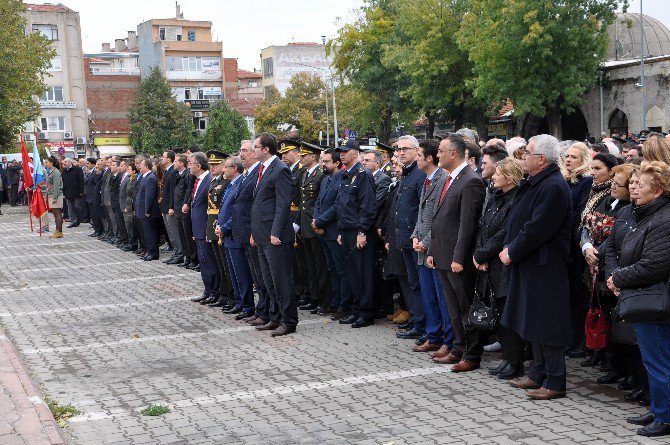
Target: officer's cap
[[383, 148], [215, 157], [309, 149], [286, 145], [349, 144]]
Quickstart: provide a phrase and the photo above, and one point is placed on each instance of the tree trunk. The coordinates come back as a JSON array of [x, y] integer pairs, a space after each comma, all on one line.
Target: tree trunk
[[430, 128], [554, 121], [385, 125], [482, 121]]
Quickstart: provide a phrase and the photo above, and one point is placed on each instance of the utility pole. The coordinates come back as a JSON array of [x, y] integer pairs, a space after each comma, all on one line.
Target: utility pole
[[644, 98]]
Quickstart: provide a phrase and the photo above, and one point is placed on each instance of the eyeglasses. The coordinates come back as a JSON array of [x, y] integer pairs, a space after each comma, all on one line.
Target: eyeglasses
[[258, 146], [617, 185], [527, 153], [404, 149]]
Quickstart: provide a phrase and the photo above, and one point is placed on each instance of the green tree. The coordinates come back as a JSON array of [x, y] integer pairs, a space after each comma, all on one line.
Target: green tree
[[24, 59], [542, 55], [157, 120], [226, 128]]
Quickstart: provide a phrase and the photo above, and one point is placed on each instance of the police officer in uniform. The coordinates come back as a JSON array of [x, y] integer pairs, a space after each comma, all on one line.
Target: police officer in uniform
[[387, 153], [318, 277], [289, 151], [218, 185], [356, 211]]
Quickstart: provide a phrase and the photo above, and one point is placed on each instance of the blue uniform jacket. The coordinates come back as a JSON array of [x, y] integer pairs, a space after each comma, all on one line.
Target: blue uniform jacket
[[356, 204]]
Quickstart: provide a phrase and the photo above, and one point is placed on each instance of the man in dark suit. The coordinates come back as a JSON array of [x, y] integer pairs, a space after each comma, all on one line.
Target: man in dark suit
[[325, 225], [13, 175], [73, 190], [96, 200], [142, 247], [356, 212], [167, 196], [241, 231], [209, 270], [118, 168], [317, 270], [183, 220], [273, 233], [147, 209], [92, 180], [452, 243], [238, 266], [3, 176]]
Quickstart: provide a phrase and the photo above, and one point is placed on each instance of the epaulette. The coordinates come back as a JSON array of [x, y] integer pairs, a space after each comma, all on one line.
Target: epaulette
[[361, 170]]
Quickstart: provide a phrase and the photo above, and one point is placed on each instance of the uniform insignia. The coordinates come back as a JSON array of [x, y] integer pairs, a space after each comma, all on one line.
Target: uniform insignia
[[353, 179]]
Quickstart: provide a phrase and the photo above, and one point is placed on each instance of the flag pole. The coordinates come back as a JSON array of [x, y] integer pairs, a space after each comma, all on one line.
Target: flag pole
[[30, 208]]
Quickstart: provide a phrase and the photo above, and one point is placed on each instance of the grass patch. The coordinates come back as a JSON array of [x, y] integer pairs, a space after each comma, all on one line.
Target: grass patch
[[61, 412], [155, 410]]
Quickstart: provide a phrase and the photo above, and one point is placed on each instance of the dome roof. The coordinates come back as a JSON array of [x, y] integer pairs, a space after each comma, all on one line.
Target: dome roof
[[625, 37]]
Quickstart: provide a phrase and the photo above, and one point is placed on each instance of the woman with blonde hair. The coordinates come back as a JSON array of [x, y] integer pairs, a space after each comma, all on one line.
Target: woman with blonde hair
[[490, 242], [656, 148]]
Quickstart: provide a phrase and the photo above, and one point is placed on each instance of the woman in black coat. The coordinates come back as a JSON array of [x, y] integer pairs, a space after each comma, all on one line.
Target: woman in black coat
[[490, 241], [645, 262], [578, 175]]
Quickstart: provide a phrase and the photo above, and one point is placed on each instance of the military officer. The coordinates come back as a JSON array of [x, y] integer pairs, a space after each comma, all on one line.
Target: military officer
[[218, 185], [387, 153], [289, 150], [356, 211], [317, 276]]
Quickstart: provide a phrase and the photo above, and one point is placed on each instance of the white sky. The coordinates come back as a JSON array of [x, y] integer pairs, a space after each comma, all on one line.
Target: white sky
[[244, 27]]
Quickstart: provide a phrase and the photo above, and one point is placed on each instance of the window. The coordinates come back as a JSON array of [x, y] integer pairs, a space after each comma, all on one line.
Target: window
[[55, 64], [252, 84], [202, 124], [251, 124], [53, 94], [48, 31], [52, 123], [178, 37], [191, 36], [161, 33], [267, 67], [187, 93]]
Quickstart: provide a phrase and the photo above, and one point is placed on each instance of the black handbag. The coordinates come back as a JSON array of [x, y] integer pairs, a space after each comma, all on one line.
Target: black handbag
[[646, 304], [483, 313]]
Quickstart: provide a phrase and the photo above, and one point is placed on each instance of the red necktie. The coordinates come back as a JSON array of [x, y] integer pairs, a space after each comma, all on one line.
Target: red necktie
[[195, 187], [444, 190], [260, 174], [427, 183]]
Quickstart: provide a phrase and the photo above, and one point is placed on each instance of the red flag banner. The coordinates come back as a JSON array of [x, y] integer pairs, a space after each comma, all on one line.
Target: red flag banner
[[27, 174], [38, 207]]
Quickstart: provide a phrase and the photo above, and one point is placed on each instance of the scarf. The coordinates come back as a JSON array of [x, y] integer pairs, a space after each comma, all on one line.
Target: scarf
[[598, 193]]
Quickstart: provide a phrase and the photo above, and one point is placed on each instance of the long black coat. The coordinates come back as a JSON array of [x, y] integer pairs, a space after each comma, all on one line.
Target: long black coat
[[538, 239], [73, 182], [491, 239]]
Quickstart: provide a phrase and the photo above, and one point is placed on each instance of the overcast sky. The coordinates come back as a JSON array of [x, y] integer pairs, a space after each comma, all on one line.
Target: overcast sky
[[244, 27]]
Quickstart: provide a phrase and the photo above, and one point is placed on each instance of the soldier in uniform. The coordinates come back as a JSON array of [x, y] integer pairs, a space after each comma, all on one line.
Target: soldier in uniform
[[289, 150], [387, 153], [226, 299], [356, 211], [317, 274]]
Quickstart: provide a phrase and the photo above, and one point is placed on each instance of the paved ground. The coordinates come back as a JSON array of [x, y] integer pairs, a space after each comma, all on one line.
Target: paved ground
[[111, 335]]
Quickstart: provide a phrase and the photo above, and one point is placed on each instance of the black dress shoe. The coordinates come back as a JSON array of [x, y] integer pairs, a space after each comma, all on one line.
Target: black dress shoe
[[244, 314], [175, 261], [148, 257], [597, 358], [577, 352], [234, 310], [628, 383], [609, 378], [283, 330], [269, 326], [510, 372], [494, 370], [644, 419], [191, 266], [199, 298], [421, 340], [363, 322], [316, 310], [655, 429], [166, 260], [635, 395], [209, 300], [196, 268], [340, 313], [348, 320], [184, 264], [308, 307], [326, 311], [217, 303], [646, 401], [413, 333], [72, 225], [303, 301], [406, 326], [253, 318]]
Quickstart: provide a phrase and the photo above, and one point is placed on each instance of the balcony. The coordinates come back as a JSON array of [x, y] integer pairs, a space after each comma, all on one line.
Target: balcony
[[194, 75]]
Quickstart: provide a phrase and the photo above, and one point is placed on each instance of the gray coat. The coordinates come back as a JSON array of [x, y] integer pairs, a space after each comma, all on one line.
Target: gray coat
[[427, 205]]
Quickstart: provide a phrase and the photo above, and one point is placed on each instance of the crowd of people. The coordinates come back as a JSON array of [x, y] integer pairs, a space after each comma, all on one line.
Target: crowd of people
[[525, 247]]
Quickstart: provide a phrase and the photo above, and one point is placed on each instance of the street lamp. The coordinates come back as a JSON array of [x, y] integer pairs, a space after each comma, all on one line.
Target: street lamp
[[323, 39], [329, 76]]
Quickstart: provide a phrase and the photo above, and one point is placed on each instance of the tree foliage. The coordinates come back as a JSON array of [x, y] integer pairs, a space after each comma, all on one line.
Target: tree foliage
[[542, 55], [225, 129], [24, 59], [157, 120]]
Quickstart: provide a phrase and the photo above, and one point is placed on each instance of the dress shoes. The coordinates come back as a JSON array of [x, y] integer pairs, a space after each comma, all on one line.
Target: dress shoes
[[141, 252], [494, 370], [524, 383], [283, 330], [643, 420], [303, 301], [72, 225], [578, 351], [253, 318], [269, 326], [167, 259], [442, 352], [326, 311], [465, 366], [340, 313], [406, 326], [597, 358], [510, 372], [242, 315], [258, 322], [148, 257], [635, 395], [186, 263], [176, 260], [449, 359], [316, 310], [363, 322], [308, 307], [545, 394], [196, 268], [628, 383], [199, 298], [166, 249], [191, 266], [234, 310], [413, 333], [218, 303], [655, 429], [94, 234], [609, 378], [646, 401], [426, 347], [348, 320], [421, 340], [211, 299]]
